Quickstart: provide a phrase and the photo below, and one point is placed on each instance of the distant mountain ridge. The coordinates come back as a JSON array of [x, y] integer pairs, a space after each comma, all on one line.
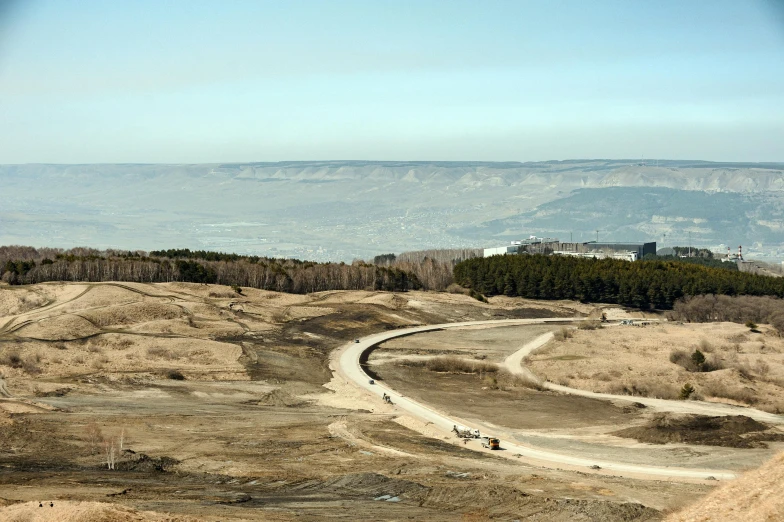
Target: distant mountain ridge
[[339, 210]]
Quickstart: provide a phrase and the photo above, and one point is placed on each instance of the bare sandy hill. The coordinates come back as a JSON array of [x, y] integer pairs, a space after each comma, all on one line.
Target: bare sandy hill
[[754, 497], [67, 511]]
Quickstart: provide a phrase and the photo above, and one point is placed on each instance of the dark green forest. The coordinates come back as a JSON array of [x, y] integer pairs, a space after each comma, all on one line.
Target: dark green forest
[[641, 284], [703, 261]]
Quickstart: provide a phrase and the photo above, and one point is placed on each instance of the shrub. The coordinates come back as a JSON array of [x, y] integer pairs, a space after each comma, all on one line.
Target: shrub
[[721, 390], [705, 346], [563, 334], [761, 368], [162, 353], [478, 296], [175, 375], [681, 358], [686, 391], [452, 364], [507, 380], [457, 289], [658, 390], [751, 325], [589, 325], [13, 359], [696, 362]]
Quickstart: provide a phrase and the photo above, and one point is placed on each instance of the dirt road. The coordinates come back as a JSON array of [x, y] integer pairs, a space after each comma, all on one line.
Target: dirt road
[[513, 363], [346, 363]]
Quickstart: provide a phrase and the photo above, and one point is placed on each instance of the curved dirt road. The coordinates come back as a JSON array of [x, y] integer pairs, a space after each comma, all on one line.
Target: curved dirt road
[[346, 363]]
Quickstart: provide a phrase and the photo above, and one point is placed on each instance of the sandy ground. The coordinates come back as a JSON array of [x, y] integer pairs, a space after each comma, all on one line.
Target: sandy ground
[[252, 433], [65, 511], [754, 497], [636, 360], [570, 425]]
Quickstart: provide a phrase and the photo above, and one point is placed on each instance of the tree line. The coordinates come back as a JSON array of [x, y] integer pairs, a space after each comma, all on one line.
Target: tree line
[[736, 309], [640, 284], [28, 265], [696, 260], [433, 268]]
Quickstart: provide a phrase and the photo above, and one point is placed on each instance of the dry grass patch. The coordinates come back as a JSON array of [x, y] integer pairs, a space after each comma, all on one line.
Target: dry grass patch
[[563, 334], [452, 364], [160, 352]]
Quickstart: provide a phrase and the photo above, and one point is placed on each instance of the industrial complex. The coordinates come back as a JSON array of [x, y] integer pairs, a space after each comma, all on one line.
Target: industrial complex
[[628, 251]]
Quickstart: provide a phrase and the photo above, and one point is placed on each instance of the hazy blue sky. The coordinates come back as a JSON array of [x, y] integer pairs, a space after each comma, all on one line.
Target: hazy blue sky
[[193, 81]]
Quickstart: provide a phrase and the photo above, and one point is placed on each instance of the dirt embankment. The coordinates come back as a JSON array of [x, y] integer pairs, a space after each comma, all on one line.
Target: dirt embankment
[[754, 497], [732, 432]]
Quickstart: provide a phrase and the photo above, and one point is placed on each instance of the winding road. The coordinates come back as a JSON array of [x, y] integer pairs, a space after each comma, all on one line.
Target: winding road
[[346, 363]]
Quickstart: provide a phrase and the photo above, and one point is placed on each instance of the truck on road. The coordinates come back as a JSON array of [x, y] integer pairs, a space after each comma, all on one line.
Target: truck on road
[[464, 432]]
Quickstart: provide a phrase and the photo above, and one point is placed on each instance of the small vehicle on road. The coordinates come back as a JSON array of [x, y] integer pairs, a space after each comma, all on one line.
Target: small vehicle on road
[[356, 340], [371, 381], [464, 432], [491, 443]]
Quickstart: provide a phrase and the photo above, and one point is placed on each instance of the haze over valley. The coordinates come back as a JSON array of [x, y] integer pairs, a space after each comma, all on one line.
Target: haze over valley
[[341, 210]]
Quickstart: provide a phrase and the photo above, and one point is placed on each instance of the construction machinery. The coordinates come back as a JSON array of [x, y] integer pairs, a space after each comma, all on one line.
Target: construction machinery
[[491, 443], [464, 432]]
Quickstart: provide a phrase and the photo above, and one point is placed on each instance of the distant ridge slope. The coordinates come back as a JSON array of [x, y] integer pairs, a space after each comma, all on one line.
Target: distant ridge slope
[[341, 210]]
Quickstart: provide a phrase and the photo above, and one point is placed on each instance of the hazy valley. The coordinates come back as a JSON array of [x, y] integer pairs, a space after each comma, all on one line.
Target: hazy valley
[[343, 210]]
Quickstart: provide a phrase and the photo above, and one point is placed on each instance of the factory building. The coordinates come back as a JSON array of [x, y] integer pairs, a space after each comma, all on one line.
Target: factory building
[[502, 250], [642, 249], [532, 245], [591, 249]]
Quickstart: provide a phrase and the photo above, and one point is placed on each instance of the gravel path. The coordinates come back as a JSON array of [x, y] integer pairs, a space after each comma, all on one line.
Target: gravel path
[[346, 363]]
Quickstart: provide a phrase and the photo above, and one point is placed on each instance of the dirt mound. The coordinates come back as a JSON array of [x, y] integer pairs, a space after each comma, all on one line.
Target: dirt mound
[[504, 502], [753, 497], [62, 328], [732, 432], [279, 398], [18, 301], [147, 464], [67, 511], [370, 484], [132, 314]]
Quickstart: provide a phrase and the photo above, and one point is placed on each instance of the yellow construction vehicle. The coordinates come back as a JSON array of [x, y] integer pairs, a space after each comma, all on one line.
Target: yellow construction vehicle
[[491, 443]]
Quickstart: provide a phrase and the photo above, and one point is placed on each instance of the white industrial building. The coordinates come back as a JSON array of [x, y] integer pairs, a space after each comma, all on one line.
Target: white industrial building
[[625, 256], [502, 250]]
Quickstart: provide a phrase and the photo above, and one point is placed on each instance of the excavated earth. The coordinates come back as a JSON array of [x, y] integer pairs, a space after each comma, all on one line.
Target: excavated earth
[[215, 405]]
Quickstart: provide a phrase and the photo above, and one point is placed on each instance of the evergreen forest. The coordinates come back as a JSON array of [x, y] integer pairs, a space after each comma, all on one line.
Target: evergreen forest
[[640, 284]]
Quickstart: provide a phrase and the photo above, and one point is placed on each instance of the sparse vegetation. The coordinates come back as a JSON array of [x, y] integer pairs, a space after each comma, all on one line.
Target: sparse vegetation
[[162, 353], [696, 361], [744, 309], [655, 389], [725, 391], [175, 375], [562, 334], [686, 392], [452, 364], [589, 325]]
